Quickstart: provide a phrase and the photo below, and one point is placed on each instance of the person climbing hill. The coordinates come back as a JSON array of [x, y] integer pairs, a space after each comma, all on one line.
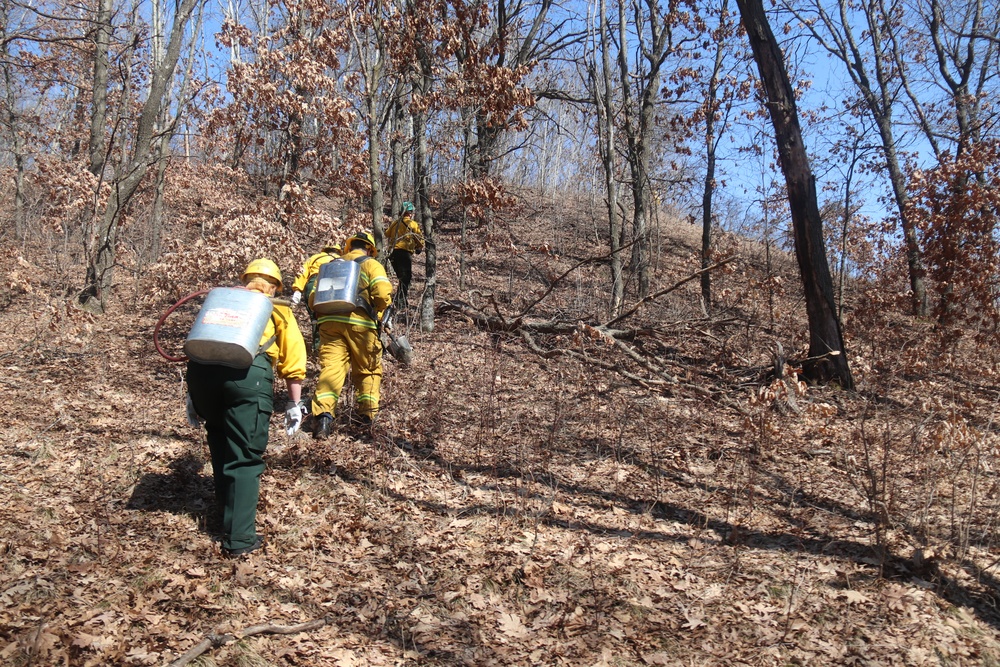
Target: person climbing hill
[[331, 250], [236, 405], [405, 239], [349, 342], [305, 283]]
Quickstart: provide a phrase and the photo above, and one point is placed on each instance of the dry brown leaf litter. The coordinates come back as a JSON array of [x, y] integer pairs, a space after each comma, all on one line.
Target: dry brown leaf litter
[[507, 510]]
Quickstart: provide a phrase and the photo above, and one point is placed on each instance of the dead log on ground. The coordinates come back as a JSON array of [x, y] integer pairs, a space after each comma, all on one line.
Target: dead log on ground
[[660, 379]]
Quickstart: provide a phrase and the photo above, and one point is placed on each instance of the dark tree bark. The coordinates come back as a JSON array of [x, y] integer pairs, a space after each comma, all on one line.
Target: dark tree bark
[[401, 137], [828, 360]]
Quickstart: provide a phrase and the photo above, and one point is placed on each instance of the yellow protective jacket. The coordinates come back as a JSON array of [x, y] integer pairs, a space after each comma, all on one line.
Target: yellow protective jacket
[[311, 268], [373, 286], [404, 234], [287, 351]]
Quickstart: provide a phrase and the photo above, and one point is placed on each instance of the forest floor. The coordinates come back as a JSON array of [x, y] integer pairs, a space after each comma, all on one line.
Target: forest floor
[[582, 506]]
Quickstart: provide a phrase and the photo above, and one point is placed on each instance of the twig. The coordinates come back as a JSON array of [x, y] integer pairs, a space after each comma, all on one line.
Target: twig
[[525, 329], [557, 327], [215, 641], [565, 273], [645, 383], [667, 290]]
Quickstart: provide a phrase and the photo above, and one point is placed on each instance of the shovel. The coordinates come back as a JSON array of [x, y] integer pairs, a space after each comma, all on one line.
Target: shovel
[[400, 349], [398, 346]]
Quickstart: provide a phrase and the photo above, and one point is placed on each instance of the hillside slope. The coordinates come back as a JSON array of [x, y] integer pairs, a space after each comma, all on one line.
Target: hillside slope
[[650, 500]]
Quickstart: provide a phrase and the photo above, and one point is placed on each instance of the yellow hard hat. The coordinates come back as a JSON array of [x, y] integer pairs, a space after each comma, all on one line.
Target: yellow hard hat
[[264, 267], [367, 239], [331, 245]]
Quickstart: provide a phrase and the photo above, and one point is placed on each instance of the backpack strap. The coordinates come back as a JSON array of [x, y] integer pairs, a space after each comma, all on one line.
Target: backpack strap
[[365, 305], [267, 343], [270, 341]]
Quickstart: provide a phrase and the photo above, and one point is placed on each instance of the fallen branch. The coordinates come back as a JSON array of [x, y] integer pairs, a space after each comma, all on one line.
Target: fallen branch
[[645, 383], [499, 323], [215, 641], [665, 384], [663, 381], [568, 271], [667, 290]]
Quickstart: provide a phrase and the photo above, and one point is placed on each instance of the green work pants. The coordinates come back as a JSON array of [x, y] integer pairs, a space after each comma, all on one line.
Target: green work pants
[[402, 266], [236, 404]]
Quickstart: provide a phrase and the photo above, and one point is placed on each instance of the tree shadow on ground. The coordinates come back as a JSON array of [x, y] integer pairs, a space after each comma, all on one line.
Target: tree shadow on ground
[[800, 539], [186, 490]]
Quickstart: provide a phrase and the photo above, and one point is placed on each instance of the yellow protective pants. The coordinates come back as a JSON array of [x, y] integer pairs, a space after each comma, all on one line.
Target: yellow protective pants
[[348, 348]]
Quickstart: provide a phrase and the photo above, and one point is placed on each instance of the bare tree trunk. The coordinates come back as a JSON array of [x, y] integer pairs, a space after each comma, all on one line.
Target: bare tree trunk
[[965, 67], [402, 133], [163, 148], [914, 256], [604, 94], [101, 261], [423, 203], [711, 105], [877, 79], [848, 180], [292, 145], [375, 172], [827, 354], [467, 119], [371, 49], [10, 119], [638, 126], [519, 37], [99, 112], [485, 147]]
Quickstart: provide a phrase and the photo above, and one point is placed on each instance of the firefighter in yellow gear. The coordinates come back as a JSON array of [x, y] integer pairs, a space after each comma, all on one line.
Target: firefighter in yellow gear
[[349, 342], [330, 251], [405, 240], [306, 282]]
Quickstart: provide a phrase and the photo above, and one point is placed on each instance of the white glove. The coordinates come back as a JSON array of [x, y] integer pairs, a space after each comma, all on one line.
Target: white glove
[[296, 298], [293, 417], [192, 414]]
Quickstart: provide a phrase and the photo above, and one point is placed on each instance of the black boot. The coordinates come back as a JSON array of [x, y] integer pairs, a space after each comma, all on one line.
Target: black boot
[[243, 551], [323, 423]]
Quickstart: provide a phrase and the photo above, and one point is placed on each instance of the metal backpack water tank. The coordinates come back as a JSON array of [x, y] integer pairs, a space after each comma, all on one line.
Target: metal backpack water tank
[[228, 328], [337, 287]]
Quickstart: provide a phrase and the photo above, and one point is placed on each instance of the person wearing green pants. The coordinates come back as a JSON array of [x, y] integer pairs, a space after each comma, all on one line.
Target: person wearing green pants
[[236, 406]]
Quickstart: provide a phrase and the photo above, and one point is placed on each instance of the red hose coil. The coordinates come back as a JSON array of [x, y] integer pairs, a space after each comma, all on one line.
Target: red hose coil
[[163, 317]]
